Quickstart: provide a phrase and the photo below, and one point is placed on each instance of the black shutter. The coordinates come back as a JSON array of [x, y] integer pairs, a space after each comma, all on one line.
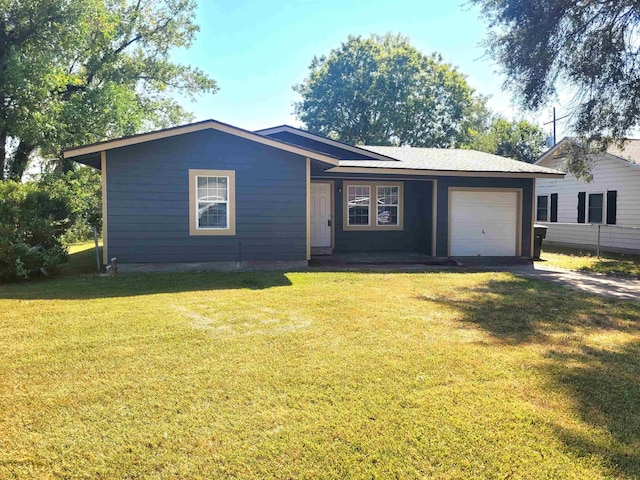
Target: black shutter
[[612, 207], [582, 204], [554, 207]]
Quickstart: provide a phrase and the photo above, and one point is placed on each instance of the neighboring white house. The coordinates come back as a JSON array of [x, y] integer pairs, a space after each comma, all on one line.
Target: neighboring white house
[[607, 208]]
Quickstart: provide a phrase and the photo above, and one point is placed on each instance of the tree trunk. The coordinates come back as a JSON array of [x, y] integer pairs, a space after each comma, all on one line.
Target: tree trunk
[[3, 152], [20, 161]]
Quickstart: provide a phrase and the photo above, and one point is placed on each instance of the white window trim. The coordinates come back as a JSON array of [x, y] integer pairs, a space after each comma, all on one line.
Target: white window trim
[[548, 209], [368, 224], [216, 202], [194, 228], [604, 208], [397, 205], [372, 188]]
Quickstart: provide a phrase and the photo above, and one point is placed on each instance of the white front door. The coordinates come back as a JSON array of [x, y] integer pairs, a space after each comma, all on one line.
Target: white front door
[[320, 214], [483, 223]]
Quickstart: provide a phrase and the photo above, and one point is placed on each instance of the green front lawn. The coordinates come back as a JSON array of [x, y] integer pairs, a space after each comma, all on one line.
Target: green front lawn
[[317, 375], [622, 265]]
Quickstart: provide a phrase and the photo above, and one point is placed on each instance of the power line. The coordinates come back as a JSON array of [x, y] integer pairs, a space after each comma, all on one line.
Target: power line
[[554, 124]]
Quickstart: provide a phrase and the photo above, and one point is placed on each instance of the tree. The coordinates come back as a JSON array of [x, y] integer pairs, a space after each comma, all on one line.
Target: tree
[[33, 218], [80, 71], [519, 140], [590, 45], [382, 91], [81, 187]]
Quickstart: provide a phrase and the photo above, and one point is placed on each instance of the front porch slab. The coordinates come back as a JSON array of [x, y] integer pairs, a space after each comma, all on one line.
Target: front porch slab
[[380, 258]]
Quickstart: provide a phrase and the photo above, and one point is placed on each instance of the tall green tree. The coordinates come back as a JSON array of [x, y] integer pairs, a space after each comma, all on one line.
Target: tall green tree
[[518, 139], [591, 46], [382, 91], [80, 71]]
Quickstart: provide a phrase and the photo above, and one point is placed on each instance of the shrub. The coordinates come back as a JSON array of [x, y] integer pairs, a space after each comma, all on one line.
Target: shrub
[[82, 187], [33, 218]]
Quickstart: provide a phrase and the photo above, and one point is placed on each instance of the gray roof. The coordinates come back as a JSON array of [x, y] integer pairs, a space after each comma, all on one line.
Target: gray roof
[[630, 151], [447, 159]]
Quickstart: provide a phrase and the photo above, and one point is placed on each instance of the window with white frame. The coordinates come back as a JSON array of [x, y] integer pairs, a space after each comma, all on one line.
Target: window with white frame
[[388, 202], [373, 205], [542, 208], [212, 202], [358, 205], [596, 207]]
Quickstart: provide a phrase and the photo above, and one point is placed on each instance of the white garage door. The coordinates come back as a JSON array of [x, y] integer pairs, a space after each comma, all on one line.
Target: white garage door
[[483, 223]]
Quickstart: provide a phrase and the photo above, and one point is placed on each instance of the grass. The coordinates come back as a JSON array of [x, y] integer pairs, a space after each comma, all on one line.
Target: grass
[[82, 259], [316, 375], [617, 264]]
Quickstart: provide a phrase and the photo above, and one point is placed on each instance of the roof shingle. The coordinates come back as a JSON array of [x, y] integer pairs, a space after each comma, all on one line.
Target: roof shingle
[[441, 159], [630, 151]]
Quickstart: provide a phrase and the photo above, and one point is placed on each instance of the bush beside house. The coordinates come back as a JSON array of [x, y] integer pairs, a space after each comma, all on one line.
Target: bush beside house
[[33, 219]]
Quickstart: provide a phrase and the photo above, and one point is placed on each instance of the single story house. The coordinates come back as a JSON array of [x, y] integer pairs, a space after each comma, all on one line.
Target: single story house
[[578, 214], [211, 195]]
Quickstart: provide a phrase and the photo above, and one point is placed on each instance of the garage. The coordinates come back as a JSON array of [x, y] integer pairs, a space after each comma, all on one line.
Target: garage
[[484, 222]]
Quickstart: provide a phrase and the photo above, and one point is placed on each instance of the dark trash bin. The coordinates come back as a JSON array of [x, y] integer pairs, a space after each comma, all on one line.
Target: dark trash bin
[[539, 234]]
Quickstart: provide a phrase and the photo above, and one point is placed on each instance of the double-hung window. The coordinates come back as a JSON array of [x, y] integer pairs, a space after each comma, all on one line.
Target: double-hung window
[[542, 208], [212, 202], [596, 206], [388, 197], [359, 205], [373, 206]]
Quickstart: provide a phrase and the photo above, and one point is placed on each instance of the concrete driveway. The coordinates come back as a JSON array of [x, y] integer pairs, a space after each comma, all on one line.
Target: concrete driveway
[[597, 284]]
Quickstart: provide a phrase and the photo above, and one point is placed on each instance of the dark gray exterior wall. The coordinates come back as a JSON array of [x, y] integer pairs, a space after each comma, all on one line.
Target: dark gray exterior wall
[[417, 233], [148, 200], [148, 204]]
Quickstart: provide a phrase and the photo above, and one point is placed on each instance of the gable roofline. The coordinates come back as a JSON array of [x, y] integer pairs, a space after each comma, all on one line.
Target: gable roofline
[[556, 148], [328, 141], [551, 152], [628, 161], [94, 148]]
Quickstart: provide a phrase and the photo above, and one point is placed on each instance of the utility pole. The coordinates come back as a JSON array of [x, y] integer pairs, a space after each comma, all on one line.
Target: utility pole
[[554, 121]]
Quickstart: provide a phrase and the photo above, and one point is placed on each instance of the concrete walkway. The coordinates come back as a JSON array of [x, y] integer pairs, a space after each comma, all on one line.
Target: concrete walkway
[[597, 284]]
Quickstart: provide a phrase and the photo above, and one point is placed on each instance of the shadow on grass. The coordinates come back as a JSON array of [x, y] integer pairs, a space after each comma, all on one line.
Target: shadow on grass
[[604, 383], [523, 310], [131, 285], [617, 264], [78, 280], [82, 262]]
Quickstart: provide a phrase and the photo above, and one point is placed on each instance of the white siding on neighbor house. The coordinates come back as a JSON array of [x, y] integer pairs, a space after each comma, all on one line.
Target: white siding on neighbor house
[[609, 173], [612, 237]]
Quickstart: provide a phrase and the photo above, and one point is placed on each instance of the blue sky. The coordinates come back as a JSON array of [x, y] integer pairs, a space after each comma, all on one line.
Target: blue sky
[[257, 50]]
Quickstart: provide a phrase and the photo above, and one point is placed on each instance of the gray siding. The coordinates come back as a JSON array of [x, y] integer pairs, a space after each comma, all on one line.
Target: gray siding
[[417, 233], [148, 200]]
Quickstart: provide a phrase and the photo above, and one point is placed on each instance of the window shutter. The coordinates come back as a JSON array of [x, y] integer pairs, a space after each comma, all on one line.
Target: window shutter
[[582, 204], [554, 207], [612, 207]]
